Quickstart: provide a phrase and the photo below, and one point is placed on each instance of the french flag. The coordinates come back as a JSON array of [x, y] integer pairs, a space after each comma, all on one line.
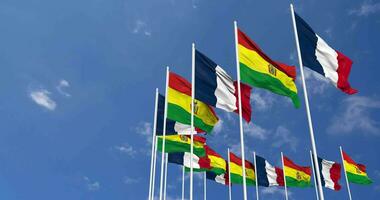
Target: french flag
[[183, 158], [320, 57], [215, 87], [268, 175], [330, 171], [221, 178]]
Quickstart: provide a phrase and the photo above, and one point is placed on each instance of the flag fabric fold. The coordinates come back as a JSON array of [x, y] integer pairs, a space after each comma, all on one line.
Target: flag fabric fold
[[268, 175], [330, 172], [295, 175], [182, 143], [184, 159], [237, 171], [356, 173], [221, 178]]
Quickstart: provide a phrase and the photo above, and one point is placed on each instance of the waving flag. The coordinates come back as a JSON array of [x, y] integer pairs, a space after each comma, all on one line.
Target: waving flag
[[237, 171], [296, 176], [182, 143], [330, 171], [215, 87], [221, 178], [356, 173], [321, 58], [183, 158], [218, 164], [267, 175], [258, 70]]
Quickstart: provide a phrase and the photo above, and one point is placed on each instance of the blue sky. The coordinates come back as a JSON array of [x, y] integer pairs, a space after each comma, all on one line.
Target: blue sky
[[77, 88]]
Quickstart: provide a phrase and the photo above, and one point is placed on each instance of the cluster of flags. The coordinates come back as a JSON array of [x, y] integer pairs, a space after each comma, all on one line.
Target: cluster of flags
[[186, 111]]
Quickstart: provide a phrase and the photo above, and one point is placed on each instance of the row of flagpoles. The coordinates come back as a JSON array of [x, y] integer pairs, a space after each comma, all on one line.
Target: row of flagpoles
[[164, 156]]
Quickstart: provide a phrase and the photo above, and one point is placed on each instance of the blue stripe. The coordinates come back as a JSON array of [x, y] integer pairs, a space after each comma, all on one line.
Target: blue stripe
[[160, 119], [262, 177], [308, 45], [320, 170], [205, 79], [210, 175], [176, 158]]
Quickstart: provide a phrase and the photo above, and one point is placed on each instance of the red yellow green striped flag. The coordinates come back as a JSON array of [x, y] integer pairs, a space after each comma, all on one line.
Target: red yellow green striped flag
[[295, 175], [216, 162], [258, 70], [182, 143], [356, 173], [237, 171], [179, 105]]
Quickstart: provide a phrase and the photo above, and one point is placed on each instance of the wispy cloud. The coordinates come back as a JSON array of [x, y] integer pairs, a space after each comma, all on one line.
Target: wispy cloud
[[130, 180], [126, 149], [145, 129], [316, 83], [262, 100], [218, 127], [41, 97], [61, 86], [283, 137], [274, 190], [255, 131], [91, 185], [365, 9], [355, 114], [140, 27]]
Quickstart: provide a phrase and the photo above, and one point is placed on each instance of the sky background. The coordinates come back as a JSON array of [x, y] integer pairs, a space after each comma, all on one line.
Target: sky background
[[77, 89]]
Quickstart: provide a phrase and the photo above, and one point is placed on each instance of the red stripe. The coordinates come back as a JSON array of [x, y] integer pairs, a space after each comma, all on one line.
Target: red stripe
[[211, 152], [237, 160], [344, 68], [291, 164], [244, 40], [204, 162], [245, 100], [280, 176], [335, 175]]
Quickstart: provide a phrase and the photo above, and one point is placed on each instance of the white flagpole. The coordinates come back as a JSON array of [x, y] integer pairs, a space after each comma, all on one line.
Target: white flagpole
[[315, 178], [183, 182], [204, 186], [283, 169], [314, 148], [257, 182], [240, 112], [166, 174], [153, 147], [164, 133], [154, 167], [192, 117], [345, 174], [229, 176]]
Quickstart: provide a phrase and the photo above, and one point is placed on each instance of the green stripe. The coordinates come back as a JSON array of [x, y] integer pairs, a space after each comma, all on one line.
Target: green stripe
[[175, 147], [177, 113], [354, 178], [237, 179], [217, 171], [291, 182], [265, 81]]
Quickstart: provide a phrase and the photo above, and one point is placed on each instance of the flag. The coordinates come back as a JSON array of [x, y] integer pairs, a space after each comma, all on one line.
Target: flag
[[179, 105], [237, 171], [258, 70], [268, 175], [182, 143], [320, 57], [330, 171], [172, 127], [221, 178], [295, 175], [215, 87], [218, 164], [183, 158], [356, 173]]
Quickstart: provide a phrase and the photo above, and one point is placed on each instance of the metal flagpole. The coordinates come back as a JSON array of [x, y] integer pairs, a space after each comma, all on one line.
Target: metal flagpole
[[283, 168], [164, 133], [154, 167], [153, 146], [257, 182], [345, 173], [315, 178], [240, 112], [183, 182], [314, 148], [192, 117], [204, 186], [229, 176], [166, 174]]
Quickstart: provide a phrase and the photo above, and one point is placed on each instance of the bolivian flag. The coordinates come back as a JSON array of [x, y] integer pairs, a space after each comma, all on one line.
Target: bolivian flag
[[179, 105], [216, 162], [258, 70], [182, 143], [237, 171], [356, 173], [296, 176]]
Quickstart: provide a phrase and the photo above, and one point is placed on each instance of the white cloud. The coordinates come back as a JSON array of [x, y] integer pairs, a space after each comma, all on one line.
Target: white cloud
[[218, 127], [283, 137], [274, 190], [262, 100], [130, 180], [60, 87], [91, 185], [145, 129], [126, 149], [255, 131], [356, 115], [365, 9], [41, 97], [141, 27], [315, 82]]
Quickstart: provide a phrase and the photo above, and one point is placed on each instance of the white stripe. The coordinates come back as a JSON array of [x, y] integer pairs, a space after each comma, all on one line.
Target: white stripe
[[225, 90], [183, 129], [328, 58], [326, 166], [271, 174], [220, 179], [186, 160]]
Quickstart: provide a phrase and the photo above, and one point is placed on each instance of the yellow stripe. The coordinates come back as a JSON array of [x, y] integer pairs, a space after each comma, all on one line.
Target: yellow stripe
[[183, 139], [217, 162], [202, 111], [238, 170], [257, 63], [298, 175], [353, 169]]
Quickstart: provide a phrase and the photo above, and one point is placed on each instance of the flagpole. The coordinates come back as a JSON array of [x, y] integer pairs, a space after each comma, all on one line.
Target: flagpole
[[192, 117], [183, 182], [204, 186], [166, 174], [283, 169], [229, 175], [164, 133], [240, 112], [154, 167], [153, 146], [315, 178], [313, 145], [345, 173], [257, 182]]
